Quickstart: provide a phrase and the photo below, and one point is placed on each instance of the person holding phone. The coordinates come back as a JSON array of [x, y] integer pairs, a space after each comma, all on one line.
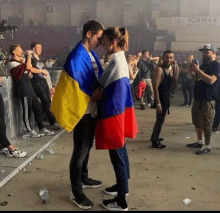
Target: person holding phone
[[163, 75]]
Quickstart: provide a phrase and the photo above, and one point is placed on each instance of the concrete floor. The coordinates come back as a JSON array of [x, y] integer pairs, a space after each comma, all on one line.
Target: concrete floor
[[160, 179]]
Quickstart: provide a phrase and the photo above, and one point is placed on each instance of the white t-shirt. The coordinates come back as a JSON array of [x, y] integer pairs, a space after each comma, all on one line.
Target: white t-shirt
[[95, 67]]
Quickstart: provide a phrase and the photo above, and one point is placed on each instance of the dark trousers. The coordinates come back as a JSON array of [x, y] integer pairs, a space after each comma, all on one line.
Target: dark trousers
[[3, 139], [188, 95], [172, 88], [217, 114], [29, 104], [83, 137], [42, 91], [158, 125], [120, 162]]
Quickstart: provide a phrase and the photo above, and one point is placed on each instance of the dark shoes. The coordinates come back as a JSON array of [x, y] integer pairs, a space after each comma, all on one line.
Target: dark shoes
[[194, 145], [160, 139], [157, 145], [115, 205], [203, 151], [142, 107], [90, 183], [215, 130], [81, 201], [112, 190]]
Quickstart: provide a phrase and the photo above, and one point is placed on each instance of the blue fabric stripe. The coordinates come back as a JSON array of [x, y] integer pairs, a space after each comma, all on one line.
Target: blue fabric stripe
[[79, 66], [116, 97]]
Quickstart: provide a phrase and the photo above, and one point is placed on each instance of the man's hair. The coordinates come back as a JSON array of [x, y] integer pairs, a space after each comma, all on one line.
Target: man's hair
[[190, 55], [167, 52], [145, 51], [33, 44], [93, 26], [12, 48]]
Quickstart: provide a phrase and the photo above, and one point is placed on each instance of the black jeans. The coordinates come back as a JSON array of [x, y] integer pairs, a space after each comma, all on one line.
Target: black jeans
[[158, 125], [217, 115], [29, 104], [42, 91], [188, 95], [83, 137], [3, 138], [120, 162]]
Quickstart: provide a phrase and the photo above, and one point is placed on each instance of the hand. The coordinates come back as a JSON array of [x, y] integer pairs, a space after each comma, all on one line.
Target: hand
[[97, 95], [159, 108], [29, 52], [194, 68], [45, 72], [1, 79]]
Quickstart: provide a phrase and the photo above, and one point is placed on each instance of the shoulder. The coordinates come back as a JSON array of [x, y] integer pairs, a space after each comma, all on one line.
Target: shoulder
[[12, 64]]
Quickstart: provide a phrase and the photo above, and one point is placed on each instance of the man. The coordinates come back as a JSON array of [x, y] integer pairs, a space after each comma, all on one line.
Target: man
[[40, 84], [5, 146], [163, 75], [205, 94], [73, 107], [187, 84], [2, 58], [49, 63], [22, 71], [146, 67]]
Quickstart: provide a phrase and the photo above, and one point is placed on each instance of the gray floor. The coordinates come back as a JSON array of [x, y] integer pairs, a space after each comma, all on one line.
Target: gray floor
[[9, 167]]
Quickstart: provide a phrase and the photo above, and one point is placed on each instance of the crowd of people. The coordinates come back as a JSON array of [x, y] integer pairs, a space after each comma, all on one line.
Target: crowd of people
[[94, 98]]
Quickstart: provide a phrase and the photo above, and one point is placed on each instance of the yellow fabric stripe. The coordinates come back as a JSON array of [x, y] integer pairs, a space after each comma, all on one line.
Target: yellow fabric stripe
[[69, 102]]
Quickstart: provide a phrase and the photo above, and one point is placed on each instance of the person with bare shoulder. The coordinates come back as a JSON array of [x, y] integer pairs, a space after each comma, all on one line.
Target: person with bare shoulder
[[163, 76]]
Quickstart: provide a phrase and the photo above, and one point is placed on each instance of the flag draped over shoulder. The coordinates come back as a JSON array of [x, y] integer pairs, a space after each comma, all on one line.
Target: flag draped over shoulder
[[76, 84], [116, 113]]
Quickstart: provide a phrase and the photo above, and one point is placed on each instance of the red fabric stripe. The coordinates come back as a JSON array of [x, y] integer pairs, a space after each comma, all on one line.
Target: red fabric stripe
[[111, 132]]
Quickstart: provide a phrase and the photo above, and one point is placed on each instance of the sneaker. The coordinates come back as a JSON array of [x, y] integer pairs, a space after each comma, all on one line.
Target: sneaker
[[112, 190], [81, 201], [195, 145], [203, 151], [113, 205], [142, 107], [16, 154], [45, 131], [4, 151], [158, 145], [90, 183], [32, 134], [55, 127], [182, 105], [215, 131]]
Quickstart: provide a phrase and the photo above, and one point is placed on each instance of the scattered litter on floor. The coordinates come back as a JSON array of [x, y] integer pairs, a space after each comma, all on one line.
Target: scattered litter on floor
[[186, 201], [40, 156], [4, 203], [187, 137], [11, 194], [193, 188], [51, 151]]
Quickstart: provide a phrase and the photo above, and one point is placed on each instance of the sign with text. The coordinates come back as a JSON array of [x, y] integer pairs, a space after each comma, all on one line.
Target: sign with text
[[185, 21]]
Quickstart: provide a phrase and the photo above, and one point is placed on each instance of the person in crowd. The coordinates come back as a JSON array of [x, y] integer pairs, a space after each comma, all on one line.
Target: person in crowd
[[139, 56], [72, 107], [163, 75], [205, 94], [187, 82], [146, 67], [41, 86], [116, 116], [2, 58], [50, 62], [21, 72], [5, 146], [133, 71], [216, 122]]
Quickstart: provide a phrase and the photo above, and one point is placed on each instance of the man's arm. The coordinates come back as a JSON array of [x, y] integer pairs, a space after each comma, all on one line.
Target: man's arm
[[175, 72], [156, 82], [206, 78]]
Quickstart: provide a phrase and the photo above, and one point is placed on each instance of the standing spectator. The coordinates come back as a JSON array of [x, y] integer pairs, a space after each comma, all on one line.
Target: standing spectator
[[2, 58], [41, 86], [5, 146], [163, 75], [146, 67], [205, 94], [187, 83], [22, 71], [50, 62]]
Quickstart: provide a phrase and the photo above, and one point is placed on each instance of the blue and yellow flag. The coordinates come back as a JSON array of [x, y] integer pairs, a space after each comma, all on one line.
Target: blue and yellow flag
[[76, 85]]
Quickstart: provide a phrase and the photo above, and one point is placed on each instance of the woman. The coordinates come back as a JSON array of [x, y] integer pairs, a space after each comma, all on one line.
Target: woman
[[116, 116]]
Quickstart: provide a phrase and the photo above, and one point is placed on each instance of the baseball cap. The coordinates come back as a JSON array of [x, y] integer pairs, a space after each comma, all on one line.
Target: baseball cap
[[209, 47]]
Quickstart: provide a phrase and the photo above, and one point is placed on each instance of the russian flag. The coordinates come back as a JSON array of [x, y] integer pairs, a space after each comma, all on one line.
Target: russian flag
[[117, 119]]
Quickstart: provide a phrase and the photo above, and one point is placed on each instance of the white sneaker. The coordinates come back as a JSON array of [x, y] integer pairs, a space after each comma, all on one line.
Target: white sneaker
[[32, 134], [4, 151], [16, 154], [45, 131]]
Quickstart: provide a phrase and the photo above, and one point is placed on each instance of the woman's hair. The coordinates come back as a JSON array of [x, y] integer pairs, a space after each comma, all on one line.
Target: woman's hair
[[130, 58], [120, 35], [12, 48]]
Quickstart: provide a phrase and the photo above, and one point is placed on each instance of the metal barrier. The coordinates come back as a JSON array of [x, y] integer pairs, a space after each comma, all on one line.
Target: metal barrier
[[13, 107]]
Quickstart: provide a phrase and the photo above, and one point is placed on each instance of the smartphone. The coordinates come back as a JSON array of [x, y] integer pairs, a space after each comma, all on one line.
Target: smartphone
[[194, 61]]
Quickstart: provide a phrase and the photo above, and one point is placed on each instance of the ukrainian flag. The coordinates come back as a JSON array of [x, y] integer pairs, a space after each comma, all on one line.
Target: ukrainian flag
[[76, 85]]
